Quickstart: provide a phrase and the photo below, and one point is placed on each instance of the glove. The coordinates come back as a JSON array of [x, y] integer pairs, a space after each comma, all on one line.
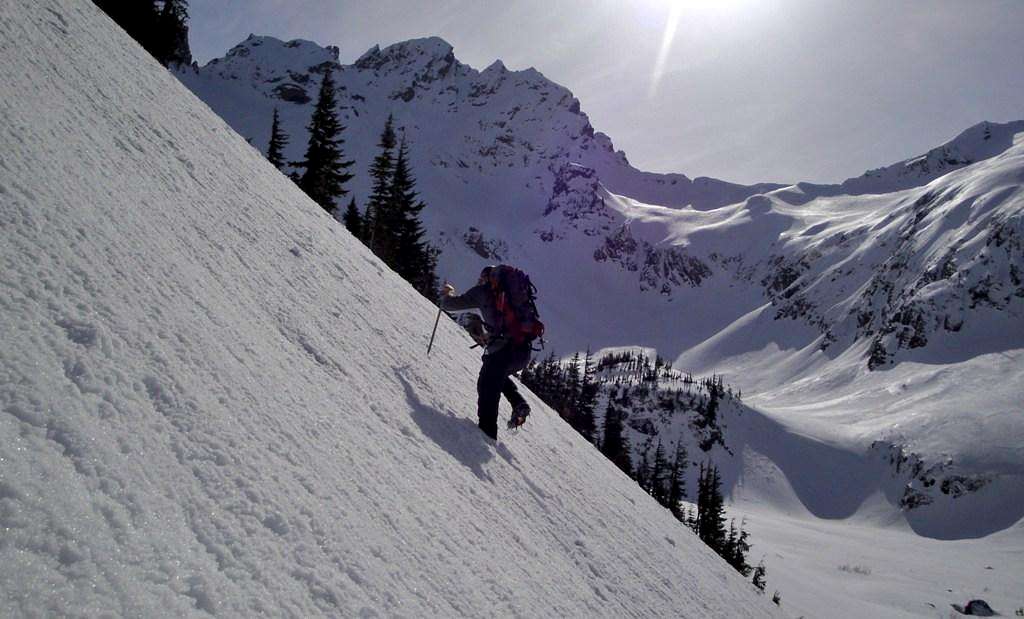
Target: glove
[[447, 290]]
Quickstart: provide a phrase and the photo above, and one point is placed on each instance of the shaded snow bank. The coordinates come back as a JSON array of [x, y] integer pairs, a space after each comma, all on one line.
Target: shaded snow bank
[[213, 399]]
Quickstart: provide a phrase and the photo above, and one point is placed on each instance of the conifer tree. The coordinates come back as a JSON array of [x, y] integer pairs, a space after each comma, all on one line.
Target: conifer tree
[[353, 220], [729, 546], [278, 140], [571, 395], [585, 408], [325, 176], [658, 471], [614, 445], [740, 551], [736, 548], [711, 510], [677, 482], [412, 258], [642, 473], [379, 213], [170, 39], [759, 576]]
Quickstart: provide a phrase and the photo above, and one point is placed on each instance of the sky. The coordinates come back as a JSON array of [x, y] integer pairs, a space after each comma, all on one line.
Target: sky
[[743, 90]]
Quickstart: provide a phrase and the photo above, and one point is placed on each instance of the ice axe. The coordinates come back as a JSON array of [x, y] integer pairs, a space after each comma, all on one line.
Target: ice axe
[[434, 332]]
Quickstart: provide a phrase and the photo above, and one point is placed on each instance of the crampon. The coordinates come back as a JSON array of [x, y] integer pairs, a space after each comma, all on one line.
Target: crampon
[[519, 415]]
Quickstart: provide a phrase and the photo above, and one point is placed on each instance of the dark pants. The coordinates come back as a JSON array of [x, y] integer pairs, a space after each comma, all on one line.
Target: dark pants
[[494, 381]]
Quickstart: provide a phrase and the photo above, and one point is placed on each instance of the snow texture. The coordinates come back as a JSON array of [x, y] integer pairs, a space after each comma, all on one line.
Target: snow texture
[[214, 400]]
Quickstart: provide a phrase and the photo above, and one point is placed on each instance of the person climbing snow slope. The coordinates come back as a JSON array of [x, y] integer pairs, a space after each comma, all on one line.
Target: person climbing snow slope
[[505, 298]]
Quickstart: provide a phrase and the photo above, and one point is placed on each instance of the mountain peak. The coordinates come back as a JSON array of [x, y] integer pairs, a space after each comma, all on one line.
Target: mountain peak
[[976, 143], [414, 51], [260, 56]]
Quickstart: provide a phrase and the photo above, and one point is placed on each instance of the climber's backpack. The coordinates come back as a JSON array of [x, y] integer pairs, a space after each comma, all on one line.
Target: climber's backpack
[[515, 300]]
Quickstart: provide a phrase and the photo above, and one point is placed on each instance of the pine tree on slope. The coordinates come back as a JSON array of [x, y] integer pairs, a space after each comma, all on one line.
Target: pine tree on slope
[[170, 40], [585, 407], [711, 509], [614, 444], [413, 258], [642, 473], [353, 220], [379, 214], [759, 576], [737, 547], [278, 140], [658, 472], [677, 482], [325, 176]]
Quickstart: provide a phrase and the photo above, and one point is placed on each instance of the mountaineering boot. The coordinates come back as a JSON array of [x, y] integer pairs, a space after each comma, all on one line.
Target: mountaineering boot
[[490, 429], [519, 414]]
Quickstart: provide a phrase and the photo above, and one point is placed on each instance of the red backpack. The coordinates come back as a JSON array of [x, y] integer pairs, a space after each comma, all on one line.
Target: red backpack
[[515, 299]]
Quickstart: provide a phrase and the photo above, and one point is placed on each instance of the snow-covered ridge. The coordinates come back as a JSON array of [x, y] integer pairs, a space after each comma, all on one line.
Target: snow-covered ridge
[[516, 125], [215, 401], [974, 144]]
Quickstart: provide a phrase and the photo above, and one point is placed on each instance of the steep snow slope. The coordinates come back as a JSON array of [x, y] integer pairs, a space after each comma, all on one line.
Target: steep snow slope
[[214, 400]]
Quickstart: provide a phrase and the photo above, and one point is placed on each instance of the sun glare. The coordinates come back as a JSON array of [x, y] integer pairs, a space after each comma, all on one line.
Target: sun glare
[[671, 24], [677, 10]]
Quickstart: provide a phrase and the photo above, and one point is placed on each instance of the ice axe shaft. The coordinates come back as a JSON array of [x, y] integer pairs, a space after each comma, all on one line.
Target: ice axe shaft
[[434, 332]]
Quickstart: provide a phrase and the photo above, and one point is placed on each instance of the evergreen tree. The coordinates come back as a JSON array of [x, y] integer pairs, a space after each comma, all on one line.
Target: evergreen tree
[[585, 407], [430, 283], [711, 510], [413, 255], [278, 140], [353, 220], [170, 40], [677, 482], [759, 576], [737, 547], [729, 547], [379, 218], [570, 397], [615, 445], [642, 473], [740, 551], [657, 480], [325, 176]]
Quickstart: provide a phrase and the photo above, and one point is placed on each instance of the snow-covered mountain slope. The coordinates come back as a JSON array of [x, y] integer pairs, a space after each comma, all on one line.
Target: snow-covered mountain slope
[[486, 144], [214, 400], [884, 315], [889, 325], [977, 143]]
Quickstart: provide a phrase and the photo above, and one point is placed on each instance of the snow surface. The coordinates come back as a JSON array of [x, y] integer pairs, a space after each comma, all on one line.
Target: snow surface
[[214, 400]]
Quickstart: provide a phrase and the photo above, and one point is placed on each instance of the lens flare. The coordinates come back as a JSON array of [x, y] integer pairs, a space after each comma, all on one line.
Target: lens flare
[[671, 25]]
